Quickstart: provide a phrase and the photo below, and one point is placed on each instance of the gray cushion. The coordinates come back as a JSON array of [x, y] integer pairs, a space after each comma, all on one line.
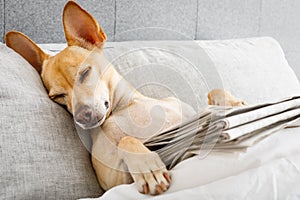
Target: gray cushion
[[41, 154]]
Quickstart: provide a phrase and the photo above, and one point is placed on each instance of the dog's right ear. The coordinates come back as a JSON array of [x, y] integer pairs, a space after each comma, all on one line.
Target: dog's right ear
[[26, 48], [81, 29]]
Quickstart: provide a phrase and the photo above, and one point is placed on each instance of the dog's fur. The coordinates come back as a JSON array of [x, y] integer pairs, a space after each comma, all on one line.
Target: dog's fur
[[80, 78]]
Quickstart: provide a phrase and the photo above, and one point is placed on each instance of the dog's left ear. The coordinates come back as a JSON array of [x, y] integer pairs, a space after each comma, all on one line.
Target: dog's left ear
[[24, 46], [81, 29]]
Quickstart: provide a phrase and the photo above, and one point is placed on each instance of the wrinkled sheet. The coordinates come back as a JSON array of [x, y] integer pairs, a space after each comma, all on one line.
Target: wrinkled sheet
[[269, 170]]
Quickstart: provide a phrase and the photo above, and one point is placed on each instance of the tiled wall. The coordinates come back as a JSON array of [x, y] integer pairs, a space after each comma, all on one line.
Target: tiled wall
[[167, 19], [172, 19], [228, 19]]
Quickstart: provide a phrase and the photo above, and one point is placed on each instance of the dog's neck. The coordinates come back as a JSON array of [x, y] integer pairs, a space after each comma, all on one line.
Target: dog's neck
[[122, 92]]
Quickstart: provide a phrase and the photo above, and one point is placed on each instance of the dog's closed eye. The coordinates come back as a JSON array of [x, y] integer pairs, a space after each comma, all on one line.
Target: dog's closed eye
[[83, 74], [57, 96]]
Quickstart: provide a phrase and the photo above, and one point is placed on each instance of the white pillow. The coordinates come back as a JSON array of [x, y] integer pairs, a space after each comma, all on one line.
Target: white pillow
[[253, 69]]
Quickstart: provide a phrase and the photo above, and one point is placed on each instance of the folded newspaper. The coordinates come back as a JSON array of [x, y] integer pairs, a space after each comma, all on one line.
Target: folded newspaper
[[226, 129]]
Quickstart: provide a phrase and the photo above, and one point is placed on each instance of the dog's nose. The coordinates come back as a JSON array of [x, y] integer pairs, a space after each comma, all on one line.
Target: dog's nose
[[84, 115]]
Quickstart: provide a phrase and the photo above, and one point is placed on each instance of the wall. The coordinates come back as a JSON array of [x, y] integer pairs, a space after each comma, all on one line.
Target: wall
[[167, 19]]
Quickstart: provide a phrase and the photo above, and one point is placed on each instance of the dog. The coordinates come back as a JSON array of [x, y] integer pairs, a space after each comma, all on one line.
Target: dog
[[81, 79]]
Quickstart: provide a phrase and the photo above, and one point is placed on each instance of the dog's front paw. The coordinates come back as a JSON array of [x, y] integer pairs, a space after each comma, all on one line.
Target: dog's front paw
[[149, 173], [146, 168]]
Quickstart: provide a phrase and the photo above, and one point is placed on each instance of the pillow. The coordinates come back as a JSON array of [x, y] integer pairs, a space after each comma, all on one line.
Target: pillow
[[41, 153], [253, 69]]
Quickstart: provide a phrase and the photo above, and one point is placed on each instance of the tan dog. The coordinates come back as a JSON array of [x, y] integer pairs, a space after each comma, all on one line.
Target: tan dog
[[80, 78]]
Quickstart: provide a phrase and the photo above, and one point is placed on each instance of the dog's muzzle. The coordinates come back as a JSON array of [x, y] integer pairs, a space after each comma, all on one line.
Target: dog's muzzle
[[87, 118]]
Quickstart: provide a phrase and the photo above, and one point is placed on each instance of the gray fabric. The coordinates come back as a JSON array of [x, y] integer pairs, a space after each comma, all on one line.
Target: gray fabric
[[41, 154]]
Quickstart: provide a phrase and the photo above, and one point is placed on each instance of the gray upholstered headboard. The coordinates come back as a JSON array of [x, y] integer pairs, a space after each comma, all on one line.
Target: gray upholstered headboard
[[164, 19]]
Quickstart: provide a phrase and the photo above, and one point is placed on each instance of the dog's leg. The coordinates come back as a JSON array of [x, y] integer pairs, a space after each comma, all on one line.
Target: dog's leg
[[119, 163], [220, 97], [108, 174], [145, 167], [109, 167]]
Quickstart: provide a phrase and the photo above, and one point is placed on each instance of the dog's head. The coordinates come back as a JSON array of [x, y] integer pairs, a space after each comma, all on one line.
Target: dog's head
[[79, 76]]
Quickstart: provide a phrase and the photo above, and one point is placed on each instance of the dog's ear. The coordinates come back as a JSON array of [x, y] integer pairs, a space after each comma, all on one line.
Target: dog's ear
[[81, 29], [26, 48]]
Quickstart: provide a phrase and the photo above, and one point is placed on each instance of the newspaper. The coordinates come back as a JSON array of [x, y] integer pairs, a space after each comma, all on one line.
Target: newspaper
[[225, 129]]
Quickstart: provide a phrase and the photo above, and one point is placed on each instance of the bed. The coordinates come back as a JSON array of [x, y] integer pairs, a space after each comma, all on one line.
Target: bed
[[270, 170], [44, 156]]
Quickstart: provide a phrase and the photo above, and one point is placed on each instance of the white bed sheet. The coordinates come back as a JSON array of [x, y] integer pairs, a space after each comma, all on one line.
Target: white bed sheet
[[269, 170]]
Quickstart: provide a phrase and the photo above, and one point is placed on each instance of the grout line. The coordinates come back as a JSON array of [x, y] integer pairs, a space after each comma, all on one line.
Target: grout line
[[115, 21], [260, 16], [3, 26], [197, 16]]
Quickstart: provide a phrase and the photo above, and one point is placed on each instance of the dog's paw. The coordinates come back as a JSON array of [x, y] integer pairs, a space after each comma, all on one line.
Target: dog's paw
[[238, 103], [149, 173], [221, 97], [146, 168]]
